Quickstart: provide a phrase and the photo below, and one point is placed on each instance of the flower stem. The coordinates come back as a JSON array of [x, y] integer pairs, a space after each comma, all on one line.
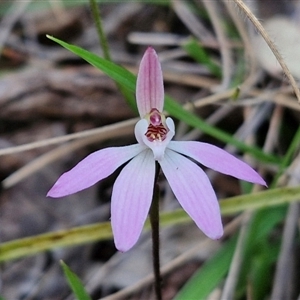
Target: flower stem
[[154, 220], [98, 22]]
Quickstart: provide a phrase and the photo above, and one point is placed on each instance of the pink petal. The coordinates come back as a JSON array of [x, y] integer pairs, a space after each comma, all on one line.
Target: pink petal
[[131, 200], [194, 192], [149, 85], [217, 159], [92, 169]]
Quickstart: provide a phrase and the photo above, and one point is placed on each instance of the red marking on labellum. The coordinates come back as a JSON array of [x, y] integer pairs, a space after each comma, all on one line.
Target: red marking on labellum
[[157, 131]]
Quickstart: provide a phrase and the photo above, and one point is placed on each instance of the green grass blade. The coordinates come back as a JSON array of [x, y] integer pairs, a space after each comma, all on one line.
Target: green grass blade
[[287, 159], [264, 199], [128, 80], [114, 71], [260, 278], [263, 221], [75, 283], [189, 118], [63, 238], [211, 273], [256, 246], [102, 231]]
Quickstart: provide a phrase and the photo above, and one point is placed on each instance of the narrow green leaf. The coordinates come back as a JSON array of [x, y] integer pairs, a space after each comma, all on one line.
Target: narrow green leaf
[[293, 147], [74, 236], [177, 111], [209, 274], [260, 227], [102, 231], [263, 221], [75, 283], [208, 277], [128, 80], [116, 72], [259, 200], [260, 276]]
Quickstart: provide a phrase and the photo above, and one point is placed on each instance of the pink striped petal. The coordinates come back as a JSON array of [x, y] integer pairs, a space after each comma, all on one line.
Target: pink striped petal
[[92, 169], [131, 200], [194, 192], [149, 85], [217, 159]]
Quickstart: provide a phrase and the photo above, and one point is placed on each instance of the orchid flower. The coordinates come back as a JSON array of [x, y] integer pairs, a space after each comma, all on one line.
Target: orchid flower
[[133, 189]]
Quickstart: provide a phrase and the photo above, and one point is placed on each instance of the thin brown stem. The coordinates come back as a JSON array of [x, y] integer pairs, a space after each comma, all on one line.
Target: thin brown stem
[[271, 45], [154, 220], [99, 26]]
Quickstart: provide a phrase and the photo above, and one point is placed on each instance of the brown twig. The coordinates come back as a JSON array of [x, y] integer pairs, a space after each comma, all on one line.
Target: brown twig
[[270, 43]]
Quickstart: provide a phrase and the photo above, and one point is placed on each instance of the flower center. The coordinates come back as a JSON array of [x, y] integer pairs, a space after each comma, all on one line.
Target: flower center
[[157, 130]]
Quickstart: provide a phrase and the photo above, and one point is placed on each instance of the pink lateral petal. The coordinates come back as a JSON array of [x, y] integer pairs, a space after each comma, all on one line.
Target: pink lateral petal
[[217, 159], [194, 192], [149, 85], [92, 169], [131, 200]]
